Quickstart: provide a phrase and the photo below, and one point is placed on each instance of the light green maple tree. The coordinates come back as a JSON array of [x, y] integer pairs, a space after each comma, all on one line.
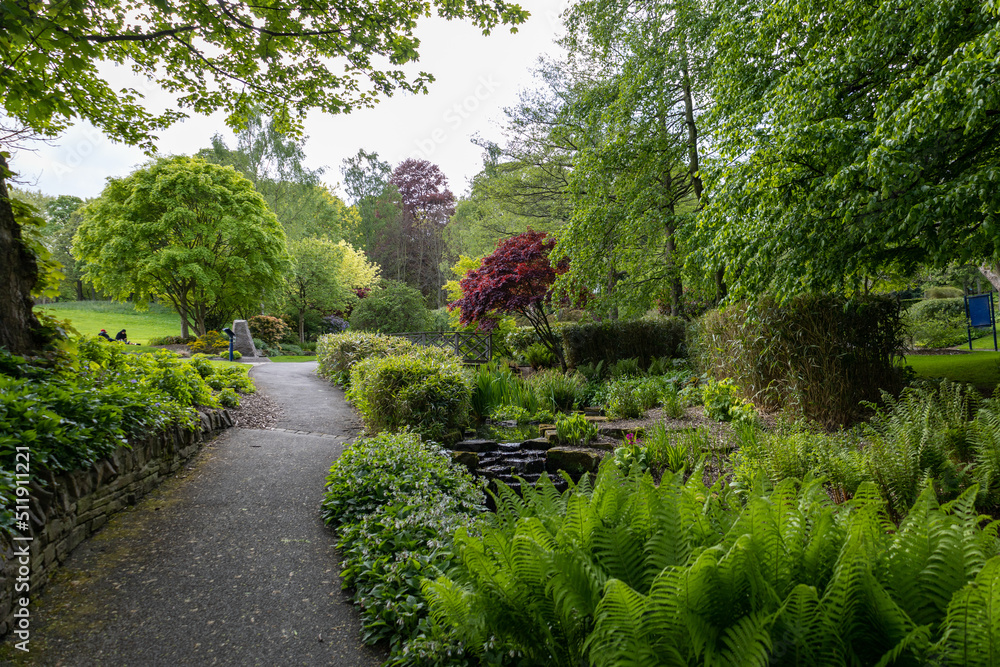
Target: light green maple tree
[[324, 277], [194, 233]]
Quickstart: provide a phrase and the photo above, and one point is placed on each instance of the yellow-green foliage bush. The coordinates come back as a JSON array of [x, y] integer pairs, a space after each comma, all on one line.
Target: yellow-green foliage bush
[[269, 329], [337, 353], [424, 389], [212, 342]]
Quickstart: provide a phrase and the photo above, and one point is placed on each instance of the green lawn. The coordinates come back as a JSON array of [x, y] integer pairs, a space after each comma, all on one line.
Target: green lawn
[[294, 358], [984, 343], [89, 317], [979, 368]]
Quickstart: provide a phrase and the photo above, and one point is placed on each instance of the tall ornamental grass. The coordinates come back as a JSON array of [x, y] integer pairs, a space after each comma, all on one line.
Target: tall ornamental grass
[[819, 356]]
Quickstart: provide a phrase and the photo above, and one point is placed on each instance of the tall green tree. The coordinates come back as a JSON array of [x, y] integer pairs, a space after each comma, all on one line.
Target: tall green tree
[[188, 231], [273, 162], [325, 276], [281, 60], [376, 200], [856, 137], [635, 183]]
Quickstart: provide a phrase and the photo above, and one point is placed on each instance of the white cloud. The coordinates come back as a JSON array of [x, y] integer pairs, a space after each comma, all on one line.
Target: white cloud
[[476, 77]]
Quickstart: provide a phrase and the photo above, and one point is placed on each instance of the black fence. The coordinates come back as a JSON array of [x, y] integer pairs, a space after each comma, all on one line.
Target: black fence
[[472, 348]]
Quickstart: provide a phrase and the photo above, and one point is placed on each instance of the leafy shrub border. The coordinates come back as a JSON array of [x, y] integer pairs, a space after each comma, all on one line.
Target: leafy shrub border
[[395, 503]]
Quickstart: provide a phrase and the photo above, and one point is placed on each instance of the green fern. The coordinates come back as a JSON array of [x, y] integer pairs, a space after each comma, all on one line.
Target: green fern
[[626, 572], [971, 633], [986, 444]]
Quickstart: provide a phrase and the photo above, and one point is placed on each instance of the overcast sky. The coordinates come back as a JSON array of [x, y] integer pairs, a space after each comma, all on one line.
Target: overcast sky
[[477, 77]]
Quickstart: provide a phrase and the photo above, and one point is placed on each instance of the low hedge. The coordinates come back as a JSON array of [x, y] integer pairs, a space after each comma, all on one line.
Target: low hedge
[[612, 340], [337, 353], [395, 503], [424, 389], [938, 309]]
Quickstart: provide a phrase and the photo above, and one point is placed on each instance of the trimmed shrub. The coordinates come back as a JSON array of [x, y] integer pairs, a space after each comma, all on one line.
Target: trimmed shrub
[[172, 340], [612, 340], [940, 309], [944, 292], [393, 307], [425, 389], [937, 322], [337, 353], [269, 329], [818, 356]]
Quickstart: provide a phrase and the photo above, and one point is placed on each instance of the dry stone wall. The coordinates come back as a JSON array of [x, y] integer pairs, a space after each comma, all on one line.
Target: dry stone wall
[[67, 508]]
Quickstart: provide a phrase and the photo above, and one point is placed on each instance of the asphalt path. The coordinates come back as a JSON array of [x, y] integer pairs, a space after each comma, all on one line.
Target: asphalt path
[[227, 563]]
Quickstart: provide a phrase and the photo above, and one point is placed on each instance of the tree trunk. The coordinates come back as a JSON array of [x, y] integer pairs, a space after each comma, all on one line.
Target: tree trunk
[[692, 127], [18, 275], [79, 290], [992, 273], [302, 325], [184, 320]]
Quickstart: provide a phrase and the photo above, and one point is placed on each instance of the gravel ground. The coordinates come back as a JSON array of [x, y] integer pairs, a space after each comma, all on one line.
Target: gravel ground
[[256, 411]]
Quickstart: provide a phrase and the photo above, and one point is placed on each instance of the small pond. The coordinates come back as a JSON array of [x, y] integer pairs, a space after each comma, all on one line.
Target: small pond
[[507, 431]]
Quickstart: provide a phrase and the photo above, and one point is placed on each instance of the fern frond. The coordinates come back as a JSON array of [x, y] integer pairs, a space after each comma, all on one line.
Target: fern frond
[[916, 644], [802, 635], [972, 628], [450, 605], [578, 522], [618, 637], [575, 587], [670, 542], [746, 642], [620, 552], [510, 506]]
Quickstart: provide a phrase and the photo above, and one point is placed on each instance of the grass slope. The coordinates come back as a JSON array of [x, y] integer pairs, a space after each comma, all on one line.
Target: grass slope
[[979, 368], [89, 317]]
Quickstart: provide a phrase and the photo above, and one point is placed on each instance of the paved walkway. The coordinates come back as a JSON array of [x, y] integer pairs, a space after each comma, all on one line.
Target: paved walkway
[[228, 563]]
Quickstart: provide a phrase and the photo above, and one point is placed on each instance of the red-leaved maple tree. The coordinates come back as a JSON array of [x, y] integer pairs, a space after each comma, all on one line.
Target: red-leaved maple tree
[[516, 278]]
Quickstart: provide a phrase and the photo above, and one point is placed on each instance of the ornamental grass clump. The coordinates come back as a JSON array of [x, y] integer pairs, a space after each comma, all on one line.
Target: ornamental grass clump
[[424, 389], [816, 356]]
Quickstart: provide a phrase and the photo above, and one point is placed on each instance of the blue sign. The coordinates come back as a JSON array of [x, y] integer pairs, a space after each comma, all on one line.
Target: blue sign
[[978, 307]]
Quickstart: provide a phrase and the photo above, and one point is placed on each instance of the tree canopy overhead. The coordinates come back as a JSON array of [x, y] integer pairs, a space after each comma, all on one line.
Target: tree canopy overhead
[[282, 58], [857, 135]]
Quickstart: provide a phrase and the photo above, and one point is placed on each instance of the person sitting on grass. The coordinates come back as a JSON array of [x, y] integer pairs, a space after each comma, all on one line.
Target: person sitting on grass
[[104, 335], [121, 337]]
